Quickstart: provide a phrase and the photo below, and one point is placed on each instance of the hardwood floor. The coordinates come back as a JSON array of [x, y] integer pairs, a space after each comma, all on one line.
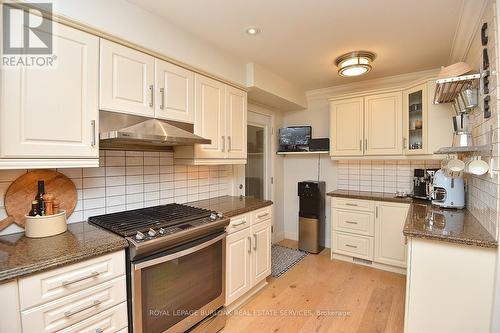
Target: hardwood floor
[[327, 296]]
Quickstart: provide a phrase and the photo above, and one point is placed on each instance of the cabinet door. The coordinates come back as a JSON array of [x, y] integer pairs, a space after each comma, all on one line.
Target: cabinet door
[[174, 92], [346, 127], [390, 247], [127, 78], [236, 123], [415, 120], [10, 316], [53, 112], [210, 117], [261, 255], [238, 253], [383, 124]]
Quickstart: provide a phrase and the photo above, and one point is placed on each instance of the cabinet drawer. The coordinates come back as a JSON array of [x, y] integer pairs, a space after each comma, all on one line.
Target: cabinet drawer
[[262, 214], [352, 245], [361, 223], [57, 283], [361, 205], [238, 223], [109, 321], [69, 310]]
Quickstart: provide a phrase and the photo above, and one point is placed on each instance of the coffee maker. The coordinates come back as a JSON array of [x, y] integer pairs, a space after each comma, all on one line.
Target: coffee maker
[[422, 183]]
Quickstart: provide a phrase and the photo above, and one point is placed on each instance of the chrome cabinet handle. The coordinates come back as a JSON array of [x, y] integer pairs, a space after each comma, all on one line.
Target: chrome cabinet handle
[[366, 144], [351, 204], [83, 308], [223, 143], [68, 282], [151, 90], [262, 215], [255, 246], [350, 222], [249, 244], [238, 224], [360, 145], [352, 246], [92, 126], [162, 94], [376, 211], [404, 143], [229, 143]]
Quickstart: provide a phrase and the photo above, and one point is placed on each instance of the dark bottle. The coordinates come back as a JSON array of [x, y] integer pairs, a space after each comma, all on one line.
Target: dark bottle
[[34, 208], [39, 198]]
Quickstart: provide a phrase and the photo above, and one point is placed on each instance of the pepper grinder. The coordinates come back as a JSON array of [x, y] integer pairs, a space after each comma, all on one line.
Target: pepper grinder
[[49, 203]]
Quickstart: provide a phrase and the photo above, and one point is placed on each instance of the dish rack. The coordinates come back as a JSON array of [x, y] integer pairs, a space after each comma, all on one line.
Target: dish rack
[[448, 89]]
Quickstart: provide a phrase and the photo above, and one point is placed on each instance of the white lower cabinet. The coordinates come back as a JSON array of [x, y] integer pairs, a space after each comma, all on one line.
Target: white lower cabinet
[[89, 296], [248, 253], [369, 230]]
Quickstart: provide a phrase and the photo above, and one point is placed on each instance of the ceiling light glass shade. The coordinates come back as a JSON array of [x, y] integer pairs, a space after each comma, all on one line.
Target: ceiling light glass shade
[[355, 63]]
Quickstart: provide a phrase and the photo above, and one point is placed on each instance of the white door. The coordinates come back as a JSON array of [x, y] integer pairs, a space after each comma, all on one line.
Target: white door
[[126, 80], [346, 127], [236, 123], [53, 112], [261, 255], [390, 247], [238, 253], [383, 124], [210, 117], [174, 92]]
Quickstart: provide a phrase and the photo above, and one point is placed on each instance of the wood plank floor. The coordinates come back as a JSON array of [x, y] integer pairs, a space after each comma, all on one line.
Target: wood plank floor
[[323, 295]]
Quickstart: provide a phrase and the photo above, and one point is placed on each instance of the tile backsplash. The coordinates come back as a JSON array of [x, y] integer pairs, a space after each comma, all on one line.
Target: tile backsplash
[[129, 179], [387, 176]]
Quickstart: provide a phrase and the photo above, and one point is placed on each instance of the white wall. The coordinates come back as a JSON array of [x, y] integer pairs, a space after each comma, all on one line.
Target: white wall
[[132, 23]]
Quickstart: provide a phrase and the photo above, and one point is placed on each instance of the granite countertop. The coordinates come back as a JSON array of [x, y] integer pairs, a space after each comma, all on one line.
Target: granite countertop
[[430, 222], [231, 206], [21, 256]]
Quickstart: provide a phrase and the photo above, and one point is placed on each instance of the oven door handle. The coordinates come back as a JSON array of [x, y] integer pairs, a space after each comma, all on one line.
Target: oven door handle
[[179, 254]]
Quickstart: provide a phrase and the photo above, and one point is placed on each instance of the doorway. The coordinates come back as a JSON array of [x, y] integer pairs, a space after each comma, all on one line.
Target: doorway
[[258, 167]]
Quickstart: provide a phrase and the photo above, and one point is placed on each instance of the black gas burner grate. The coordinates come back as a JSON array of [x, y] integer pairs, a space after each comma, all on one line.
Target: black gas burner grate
[[129, 222]]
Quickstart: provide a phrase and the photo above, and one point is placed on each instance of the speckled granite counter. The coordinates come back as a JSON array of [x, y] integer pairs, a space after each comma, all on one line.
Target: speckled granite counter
[[430, 222], [231, 206], [21, 256]]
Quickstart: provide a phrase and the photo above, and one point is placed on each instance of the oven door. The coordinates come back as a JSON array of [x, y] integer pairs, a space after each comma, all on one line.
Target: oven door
[[175, 289]]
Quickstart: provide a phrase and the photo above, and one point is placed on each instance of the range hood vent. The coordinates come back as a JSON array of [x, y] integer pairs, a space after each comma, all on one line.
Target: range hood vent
[[123, 131]]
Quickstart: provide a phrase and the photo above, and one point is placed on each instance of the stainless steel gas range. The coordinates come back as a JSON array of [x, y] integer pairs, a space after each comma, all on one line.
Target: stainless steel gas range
[[176, 265]]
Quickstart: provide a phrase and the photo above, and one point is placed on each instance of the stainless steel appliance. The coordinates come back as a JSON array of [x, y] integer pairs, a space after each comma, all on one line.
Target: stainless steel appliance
[[448, 192], [311, 215], [176, 265], [422, 183]]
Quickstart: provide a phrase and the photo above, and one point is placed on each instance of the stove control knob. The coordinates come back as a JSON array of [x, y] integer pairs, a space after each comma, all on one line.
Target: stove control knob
[[139, 236], [162, 231], [220, 215], [213, 217], [151, 232]]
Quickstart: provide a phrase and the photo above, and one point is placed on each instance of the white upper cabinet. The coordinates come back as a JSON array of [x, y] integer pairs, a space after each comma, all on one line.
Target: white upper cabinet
[[383, 124], [174, 92], [210, 117], [126, 80], [52, 113], [236, 123], [415, 120], [346, 127]]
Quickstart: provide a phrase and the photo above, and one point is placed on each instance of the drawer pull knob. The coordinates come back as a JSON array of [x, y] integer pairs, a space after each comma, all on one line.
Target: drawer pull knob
[[238, 224], [351, 204], [91, 275], [83, 308], [262, 215], [99, 330], [350, 222], [353, 246]]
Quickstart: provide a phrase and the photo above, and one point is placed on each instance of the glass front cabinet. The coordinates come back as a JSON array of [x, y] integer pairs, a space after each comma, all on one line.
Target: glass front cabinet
[[415, 120]]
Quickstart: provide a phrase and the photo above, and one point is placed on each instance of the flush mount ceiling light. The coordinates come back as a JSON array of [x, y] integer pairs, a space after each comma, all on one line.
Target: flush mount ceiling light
[[355, 63], [252, 30]]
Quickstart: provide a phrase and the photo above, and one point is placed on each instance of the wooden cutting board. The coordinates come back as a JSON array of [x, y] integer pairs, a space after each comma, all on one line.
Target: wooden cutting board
[[24, 189]]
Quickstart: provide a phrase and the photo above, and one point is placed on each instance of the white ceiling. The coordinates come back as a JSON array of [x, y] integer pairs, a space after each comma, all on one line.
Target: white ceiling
[[301, 38]]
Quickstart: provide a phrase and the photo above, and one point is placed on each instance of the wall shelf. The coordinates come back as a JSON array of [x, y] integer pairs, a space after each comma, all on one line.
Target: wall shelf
[[302, 152], [463, 150]]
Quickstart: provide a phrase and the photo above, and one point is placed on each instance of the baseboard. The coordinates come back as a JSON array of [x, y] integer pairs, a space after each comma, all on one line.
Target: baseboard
[[376, 265], [245, 298], [291, 235], [278, 237]]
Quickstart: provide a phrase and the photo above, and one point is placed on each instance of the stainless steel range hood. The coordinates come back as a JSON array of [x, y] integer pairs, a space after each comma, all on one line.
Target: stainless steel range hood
[[123, 131]]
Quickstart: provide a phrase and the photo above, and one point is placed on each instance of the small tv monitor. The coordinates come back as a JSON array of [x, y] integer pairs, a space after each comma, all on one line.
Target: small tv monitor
[[295, 136]]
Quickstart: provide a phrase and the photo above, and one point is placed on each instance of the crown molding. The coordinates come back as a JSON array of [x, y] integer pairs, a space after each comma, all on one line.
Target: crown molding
[[374, 85], [471, 13]]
